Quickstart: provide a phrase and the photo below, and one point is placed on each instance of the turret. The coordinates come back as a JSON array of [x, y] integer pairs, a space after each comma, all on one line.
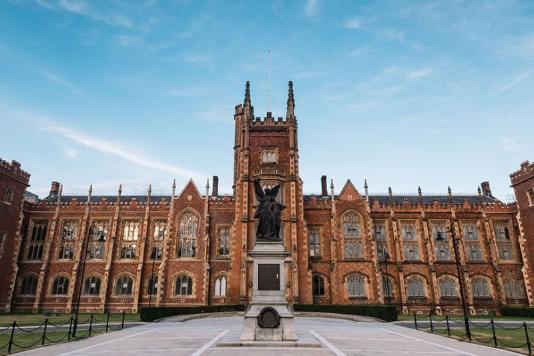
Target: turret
[[290, 113]]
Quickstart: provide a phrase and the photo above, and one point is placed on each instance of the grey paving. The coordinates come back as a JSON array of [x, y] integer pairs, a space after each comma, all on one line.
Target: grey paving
[[332, 336]]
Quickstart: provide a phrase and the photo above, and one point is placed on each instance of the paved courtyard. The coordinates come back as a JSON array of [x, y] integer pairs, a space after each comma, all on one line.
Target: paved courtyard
[[330, 337]]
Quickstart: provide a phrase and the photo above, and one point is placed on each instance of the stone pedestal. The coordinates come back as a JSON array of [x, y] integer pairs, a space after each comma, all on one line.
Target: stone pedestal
[[269, 291]]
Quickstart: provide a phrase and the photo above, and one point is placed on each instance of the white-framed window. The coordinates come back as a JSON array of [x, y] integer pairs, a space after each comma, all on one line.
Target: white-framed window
[[447, 287], [314, 242], [352, 235], [480, 287], [223, 248], [37, 238], [60, 286], [220, 286], [28, 285], [187, 235], [69, 234], [514, 288], [98, 235], [356, 286], [123, 286], [160, 230], [183, 285], [415, 287], [130, 237], [91, 286]]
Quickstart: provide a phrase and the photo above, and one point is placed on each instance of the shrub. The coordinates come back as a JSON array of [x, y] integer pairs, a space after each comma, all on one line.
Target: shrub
[[527, 312], [383, 312], [153, 313]]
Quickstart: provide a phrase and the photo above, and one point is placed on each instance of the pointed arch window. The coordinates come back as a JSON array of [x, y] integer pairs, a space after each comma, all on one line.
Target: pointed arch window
[[183, 285], [124, 286], [36, 243], [60, 286], [447, 287], [317, 285], [28, 285], [480, 287], [352, 236], [187, 235], [356, 286], [92, 286], [514, 289], [220, 286], [160, 229], [415, 287]]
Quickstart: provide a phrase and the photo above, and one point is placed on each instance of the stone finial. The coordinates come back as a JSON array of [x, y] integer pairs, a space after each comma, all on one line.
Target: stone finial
[[247, 101], [332, 188], [479, 190], [390, 192], [290, 113], [207, 188], [173, 188], [419, 191], [90, 194], [120, 189], [449, 191], [60, 192], [366, 187]]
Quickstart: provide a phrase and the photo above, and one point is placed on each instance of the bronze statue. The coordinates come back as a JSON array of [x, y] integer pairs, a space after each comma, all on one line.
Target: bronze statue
[[268, 212]]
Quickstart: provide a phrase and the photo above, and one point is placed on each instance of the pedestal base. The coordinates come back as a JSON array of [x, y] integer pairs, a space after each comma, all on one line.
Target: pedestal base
[[253, 332]]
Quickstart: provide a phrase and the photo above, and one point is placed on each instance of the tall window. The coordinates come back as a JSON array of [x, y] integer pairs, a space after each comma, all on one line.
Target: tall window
[[480, 287], [187, 235], [502, 237], [28, 285], [91, 286], [152, 288], [8, 195], [317, 285], [356, 285], [409, 241], [124, 286], [352, 236], [98, 235], [69, 233], [160, 228], [530, 196], [36, 243], [130, 236], [184, 285], [220, 286], [447, 287], [381, 240], [440, 235], [3, 238], [60, 286], [473, 249], [415, 287], [514, 289], [223, 249], [388, 287], [314, 242]]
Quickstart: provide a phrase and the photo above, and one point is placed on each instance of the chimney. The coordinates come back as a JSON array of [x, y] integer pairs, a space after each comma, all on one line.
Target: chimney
[[215, 188], [54, 188], [486, 190], [524, 165], [324, 188]]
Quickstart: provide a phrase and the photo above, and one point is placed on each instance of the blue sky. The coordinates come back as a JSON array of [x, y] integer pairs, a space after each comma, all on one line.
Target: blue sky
[[409, 93]]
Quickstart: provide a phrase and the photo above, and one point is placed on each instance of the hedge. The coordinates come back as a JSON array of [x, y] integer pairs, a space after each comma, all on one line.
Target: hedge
[[153, 313], [383, 312], [518, 311]]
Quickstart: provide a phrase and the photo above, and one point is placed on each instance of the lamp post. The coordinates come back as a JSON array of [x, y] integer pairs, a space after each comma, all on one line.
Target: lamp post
[[83, 257], [386, 260], [460, 280]]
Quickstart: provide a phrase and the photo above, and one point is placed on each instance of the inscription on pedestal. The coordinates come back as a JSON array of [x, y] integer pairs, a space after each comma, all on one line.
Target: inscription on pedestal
[[268, 277]]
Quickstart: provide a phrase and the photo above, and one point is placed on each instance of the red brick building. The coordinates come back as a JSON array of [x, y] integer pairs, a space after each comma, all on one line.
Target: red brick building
[[191, 247], [13, 183]]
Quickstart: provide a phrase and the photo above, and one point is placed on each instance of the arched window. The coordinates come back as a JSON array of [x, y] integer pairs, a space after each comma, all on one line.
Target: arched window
[[317, 285], [187, 235], [480, 287], [220, 287], [91, 286], [152, 288], [415, 287], [184, 285], [60, 286], [351, 235], [514, 288], [447, 287], [124, 286], [388, 286], [28, 285], [356, 285]]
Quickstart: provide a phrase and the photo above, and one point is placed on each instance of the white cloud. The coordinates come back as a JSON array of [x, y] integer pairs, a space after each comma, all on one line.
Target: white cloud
[[418, 73], [71, 153], [352, 24], [198, 58], [392, 35], [512, 83], [508, 144], [311, 8]]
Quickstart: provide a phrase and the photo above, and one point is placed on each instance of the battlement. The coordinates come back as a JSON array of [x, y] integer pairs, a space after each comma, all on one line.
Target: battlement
[[269, 120], [525, 172], [13, 169]]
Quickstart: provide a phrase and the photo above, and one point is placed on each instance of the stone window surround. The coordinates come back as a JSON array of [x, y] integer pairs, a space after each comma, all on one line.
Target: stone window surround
[[96, 275], [439, 225], [21, 278], [51, 285], [178, 232], [530, 196], [29, 235], [366, 283], [454, 279], [108, 224], [152, 238], [218, 228], [217, 277], [319, 229], [73, 242], [173, 295], [419, 277], [8, 196], [116, 280], [124, 241], [359, 239], [324, 279], [489, 284]]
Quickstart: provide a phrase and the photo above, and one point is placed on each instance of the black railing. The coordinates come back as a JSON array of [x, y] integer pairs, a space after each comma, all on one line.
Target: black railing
[[20, 337], [501, 335]]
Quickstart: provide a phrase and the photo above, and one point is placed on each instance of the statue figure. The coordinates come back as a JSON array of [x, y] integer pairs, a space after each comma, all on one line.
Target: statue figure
[[268, 212]]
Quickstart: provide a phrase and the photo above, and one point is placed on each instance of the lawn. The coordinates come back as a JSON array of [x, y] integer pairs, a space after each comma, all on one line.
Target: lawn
[[37, 319]]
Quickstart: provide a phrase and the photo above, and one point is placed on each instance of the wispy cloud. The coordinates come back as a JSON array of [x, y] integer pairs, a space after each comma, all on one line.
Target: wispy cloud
[[392, 35], [513, 82], [352, 24], [311, 8], [198, 58], [508, 144], [71, 153], [109, 147]]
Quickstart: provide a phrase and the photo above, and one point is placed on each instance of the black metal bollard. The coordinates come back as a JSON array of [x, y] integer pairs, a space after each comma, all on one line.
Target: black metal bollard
[[122, 323], [431, 326], [448, 327], [528, 338], [415, 320], [107, 322], [494, 334], [10, 347], [70, 328], [90, 324], [43, 339]]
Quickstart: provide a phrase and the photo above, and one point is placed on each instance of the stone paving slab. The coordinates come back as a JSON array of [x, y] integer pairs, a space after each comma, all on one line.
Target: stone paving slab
[[334, 337]]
